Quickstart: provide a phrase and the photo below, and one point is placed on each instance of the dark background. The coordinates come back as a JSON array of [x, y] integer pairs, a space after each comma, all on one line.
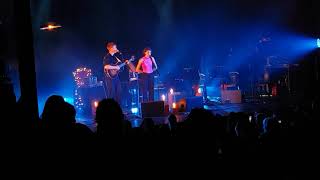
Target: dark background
[[182, 33]]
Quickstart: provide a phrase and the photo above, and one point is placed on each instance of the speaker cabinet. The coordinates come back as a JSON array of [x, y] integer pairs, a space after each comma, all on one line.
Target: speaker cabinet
[[152, 109]]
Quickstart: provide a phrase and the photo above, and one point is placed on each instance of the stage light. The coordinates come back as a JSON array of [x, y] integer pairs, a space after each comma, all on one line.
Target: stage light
[[174, 105], [69, 100], [163, 97], [95, 103], [199, 90], [318, 42], [50, 26], [134, 110], [171, 91]]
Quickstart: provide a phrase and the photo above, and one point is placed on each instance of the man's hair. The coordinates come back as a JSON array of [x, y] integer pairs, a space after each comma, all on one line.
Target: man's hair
[[110, 44]]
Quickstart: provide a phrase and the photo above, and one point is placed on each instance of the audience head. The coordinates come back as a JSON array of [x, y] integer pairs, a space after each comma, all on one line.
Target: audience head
[[109, 118], [58, 113]]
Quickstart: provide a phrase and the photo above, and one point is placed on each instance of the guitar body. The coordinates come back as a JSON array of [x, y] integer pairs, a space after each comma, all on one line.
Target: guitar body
[[112, 73]]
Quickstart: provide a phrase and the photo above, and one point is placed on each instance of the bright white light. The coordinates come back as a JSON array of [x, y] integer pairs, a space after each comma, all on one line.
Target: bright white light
[[171, 91], [50, 27], [174, 105], [318, 42], [163, 97], [134, 110], [96, 103], [199, 90]]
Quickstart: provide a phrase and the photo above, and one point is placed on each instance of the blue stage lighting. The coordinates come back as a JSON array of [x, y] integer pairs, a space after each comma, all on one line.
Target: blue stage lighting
[[318, 42], [134, 110], [69, 100]]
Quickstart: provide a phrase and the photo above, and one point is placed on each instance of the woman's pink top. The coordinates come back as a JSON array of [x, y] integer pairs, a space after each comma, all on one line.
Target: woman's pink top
[[146, 65]]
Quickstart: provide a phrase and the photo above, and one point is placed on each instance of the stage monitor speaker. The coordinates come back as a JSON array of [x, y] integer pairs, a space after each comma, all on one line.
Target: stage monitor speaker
[[189, 103], [152, 109]]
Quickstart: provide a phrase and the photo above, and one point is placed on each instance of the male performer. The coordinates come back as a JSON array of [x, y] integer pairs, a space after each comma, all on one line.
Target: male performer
[[110, 62]]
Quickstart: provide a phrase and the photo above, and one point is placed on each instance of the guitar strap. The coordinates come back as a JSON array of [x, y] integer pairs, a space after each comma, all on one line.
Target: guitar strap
[[118, 59]]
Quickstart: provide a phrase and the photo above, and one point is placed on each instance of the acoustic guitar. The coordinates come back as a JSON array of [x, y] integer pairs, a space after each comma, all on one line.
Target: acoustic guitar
[[112, 73]]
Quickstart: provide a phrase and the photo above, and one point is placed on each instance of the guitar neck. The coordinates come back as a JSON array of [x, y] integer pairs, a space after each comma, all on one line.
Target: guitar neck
[[121, 65]]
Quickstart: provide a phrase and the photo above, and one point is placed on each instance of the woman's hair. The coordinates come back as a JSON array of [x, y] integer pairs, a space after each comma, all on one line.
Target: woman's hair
[[145, 50]]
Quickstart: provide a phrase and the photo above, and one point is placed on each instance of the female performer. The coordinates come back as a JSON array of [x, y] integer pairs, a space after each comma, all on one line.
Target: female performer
[[146, 66]]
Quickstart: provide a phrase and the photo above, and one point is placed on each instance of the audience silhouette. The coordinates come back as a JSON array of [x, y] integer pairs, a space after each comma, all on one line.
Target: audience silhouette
[[259, 137]]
